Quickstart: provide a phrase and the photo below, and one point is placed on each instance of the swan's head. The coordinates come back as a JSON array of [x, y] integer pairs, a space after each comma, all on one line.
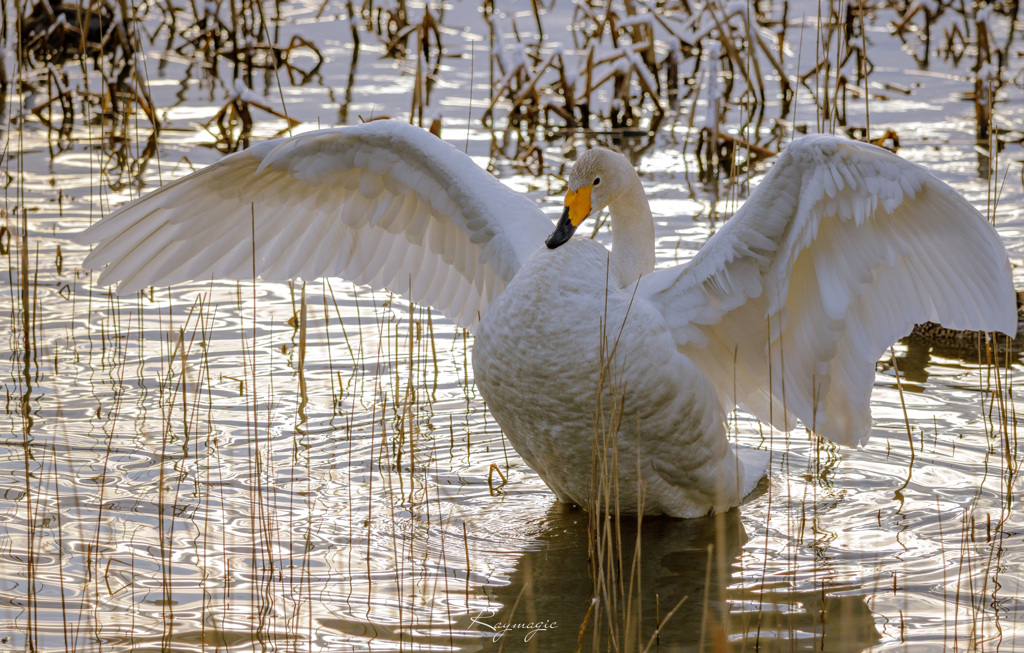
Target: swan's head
[[597, 178]]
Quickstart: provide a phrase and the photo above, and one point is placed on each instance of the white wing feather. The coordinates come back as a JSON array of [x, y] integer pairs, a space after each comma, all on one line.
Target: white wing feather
[[384, 204], [839, 251]]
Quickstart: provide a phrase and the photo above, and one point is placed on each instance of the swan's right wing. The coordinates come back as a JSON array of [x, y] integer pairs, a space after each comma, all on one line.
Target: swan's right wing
[[838, 252], [384, 204]]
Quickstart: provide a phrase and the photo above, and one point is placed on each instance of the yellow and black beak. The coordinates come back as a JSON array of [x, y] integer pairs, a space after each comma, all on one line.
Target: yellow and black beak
[[577, 208]]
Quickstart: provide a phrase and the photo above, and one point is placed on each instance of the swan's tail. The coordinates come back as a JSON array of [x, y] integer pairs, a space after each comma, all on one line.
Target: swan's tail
[[755, 465]]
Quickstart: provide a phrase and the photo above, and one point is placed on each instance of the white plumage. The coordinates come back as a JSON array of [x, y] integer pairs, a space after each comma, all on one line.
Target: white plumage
[[837, 253], [383, 204]]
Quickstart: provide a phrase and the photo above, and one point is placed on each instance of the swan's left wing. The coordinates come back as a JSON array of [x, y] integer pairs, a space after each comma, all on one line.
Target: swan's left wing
[[384, 203], [839, 251]]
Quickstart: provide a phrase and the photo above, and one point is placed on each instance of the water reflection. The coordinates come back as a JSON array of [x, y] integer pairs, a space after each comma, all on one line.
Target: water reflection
[[920, 353], [686, 580]]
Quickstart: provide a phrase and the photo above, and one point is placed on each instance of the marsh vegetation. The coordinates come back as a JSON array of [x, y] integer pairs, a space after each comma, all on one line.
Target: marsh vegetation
[[308, 466]]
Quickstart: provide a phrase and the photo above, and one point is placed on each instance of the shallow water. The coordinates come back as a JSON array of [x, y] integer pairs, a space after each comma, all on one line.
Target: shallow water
[[189, 470]]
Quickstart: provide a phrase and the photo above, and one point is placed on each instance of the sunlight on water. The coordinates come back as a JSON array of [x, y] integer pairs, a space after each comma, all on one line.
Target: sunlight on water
[[240, 466]]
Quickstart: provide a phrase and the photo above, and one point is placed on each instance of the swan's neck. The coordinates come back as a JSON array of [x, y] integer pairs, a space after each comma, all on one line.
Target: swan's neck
[[632, 234]]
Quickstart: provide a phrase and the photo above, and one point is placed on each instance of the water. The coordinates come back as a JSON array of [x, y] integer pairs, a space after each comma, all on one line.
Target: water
[[190, 470]]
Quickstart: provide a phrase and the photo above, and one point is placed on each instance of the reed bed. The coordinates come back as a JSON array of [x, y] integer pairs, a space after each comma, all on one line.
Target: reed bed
[[308, 466]]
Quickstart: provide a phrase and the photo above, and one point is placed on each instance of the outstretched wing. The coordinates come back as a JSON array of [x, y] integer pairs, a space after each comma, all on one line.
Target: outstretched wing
[[839, 251], [384, 204]]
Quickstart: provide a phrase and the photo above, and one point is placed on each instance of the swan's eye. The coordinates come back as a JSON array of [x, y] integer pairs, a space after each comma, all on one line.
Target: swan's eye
[[597, 181]]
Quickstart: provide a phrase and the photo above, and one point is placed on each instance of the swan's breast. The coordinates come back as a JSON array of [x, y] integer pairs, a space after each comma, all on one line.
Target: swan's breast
[[537, 355], [562, 348]]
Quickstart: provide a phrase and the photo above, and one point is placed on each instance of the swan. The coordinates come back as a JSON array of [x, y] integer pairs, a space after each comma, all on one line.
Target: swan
[[580, 350]]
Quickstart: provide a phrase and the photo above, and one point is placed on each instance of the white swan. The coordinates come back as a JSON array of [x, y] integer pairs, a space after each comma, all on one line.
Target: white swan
[[837, 253]]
